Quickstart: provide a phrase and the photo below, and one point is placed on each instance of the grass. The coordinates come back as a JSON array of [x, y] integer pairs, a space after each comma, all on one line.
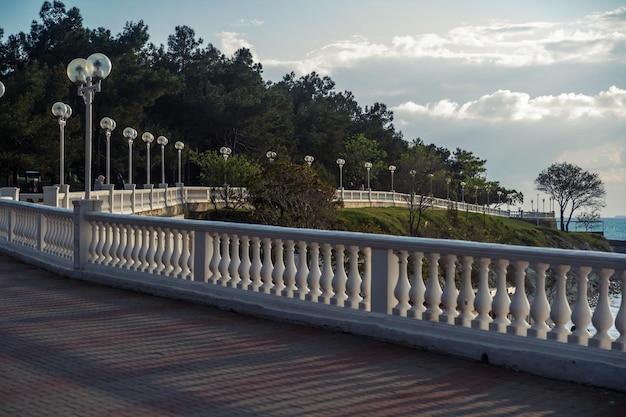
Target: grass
[[460, 225]]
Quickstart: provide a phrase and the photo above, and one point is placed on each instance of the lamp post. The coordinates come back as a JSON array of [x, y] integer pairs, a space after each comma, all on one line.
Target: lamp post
[[108, 125], [88, 74], [148, 138], [463, 192], [412, 173], [225, 151], [130, 134], [309, 159], [2, 89], [392, 169], [62, 112], [271, 155], [341, 162], [368, 167], [162, 140], [179, 147], [499, 197], [448, 180]]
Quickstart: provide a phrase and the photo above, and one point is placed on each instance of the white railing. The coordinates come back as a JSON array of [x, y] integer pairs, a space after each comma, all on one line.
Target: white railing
[[369, 284]]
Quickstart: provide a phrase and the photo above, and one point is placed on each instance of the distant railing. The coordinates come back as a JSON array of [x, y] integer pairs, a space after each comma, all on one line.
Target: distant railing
[[416, 280]]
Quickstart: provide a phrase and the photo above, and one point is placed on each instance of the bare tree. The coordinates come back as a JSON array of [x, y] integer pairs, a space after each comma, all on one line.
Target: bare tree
[[572, 188]]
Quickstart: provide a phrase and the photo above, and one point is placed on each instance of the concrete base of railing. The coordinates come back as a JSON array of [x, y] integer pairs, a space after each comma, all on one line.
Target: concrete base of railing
[[603, 368]]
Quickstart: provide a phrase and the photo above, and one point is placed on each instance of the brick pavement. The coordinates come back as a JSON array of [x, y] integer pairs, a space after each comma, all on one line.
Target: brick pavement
[[70, 348]]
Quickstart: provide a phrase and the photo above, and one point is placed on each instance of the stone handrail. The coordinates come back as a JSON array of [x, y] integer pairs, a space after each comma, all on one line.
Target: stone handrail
[[431, 288]]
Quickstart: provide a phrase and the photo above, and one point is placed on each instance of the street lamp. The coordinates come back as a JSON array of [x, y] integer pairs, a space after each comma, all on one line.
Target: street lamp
[[463, 192], [148, 138], [225, 151], [392, 169], [130, 134], [341, 162], [271, 155], [62, 112], [476, 195], [88, 74], [179, 147], [430, 178], [309, 159], [368, 167], [448, 180], [412, 174], [2, 89], [108, 125], [162, 140]]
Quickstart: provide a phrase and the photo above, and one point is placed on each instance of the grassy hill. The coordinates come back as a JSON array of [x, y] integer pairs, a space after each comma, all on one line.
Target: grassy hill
[[459, 225]]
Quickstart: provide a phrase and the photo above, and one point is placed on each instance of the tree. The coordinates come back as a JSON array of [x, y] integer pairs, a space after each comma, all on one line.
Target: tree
[[292, 195], [571, 187]]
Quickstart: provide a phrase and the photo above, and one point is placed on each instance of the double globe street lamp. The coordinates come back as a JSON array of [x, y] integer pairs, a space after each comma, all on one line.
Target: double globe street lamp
[[368, 167], [179, 147], [108, 125], [62, 112], [309, 159], [162, 140], [88, 74], [130, 134], [148, 138]]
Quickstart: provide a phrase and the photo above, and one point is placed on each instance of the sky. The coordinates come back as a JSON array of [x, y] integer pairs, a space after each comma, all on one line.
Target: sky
[[521, 84]]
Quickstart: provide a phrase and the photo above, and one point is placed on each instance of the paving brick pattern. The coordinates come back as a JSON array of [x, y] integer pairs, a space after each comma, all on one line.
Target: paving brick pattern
[[70, 348]]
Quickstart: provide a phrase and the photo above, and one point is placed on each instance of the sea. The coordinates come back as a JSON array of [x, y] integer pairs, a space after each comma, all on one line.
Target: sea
[[614, 228]]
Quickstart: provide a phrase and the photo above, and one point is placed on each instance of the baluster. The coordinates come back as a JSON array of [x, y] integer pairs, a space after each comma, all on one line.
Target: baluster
[[482, 301], [581, 313], [215, 259], [366, 282], [602, 317], [235, 261], [145, 246], [279, 267], [560, 311], [244, 265], [501, 301], [255, 267], [185, 270], [520, 307], [433, 289], [290, 270], [340, 278], [313, 280], [401, 292], [153, 243], [161, 241], [326, 280], [95, 240], [107, 241], [171, 236], [450, 293], [225, 261], [416, 293], [266, 270], [540, 309], [121, 246], [303, 271], [175, 259], [465, 300], [131, 244], [620, 320], [354, 279]]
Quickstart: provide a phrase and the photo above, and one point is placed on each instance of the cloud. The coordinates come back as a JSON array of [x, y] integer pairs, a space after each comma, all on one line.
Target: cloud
[[505, 105], [247, 23], [605, 159], [593, 39], [231, 42]]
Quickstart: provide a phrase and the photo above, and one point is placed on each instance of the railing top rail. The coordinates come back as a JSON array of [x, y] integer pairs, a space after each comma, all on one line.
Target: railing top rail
[[493, 251]]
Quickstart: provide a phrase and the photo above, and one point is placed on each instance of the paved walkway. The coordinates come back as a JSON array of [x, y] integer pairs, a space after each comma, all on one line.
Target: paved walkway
[[70, 348]]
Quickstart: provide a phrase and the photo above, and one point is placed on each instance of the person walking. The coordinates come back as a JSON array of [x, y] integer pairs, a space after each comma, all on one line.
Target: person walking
[[119, 182], [99, 183]]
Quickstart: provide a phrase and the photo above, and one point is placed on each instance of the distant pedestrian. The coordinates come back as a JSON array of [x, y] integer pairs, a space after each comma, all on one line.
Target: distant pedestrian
[[119, 182], [99, 183]]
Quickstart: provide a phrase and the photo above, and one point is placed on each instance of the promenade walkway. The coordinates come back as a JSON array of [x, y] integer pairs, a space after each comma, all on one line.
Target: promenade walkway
[[71, 348]]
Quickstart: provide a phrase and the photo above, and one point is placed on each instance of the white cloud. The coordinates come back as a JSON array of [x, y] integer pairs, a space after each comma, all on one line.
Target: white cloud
[[248, 22], [231, 42], [596, 38], [505, 105], [605, 159]]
